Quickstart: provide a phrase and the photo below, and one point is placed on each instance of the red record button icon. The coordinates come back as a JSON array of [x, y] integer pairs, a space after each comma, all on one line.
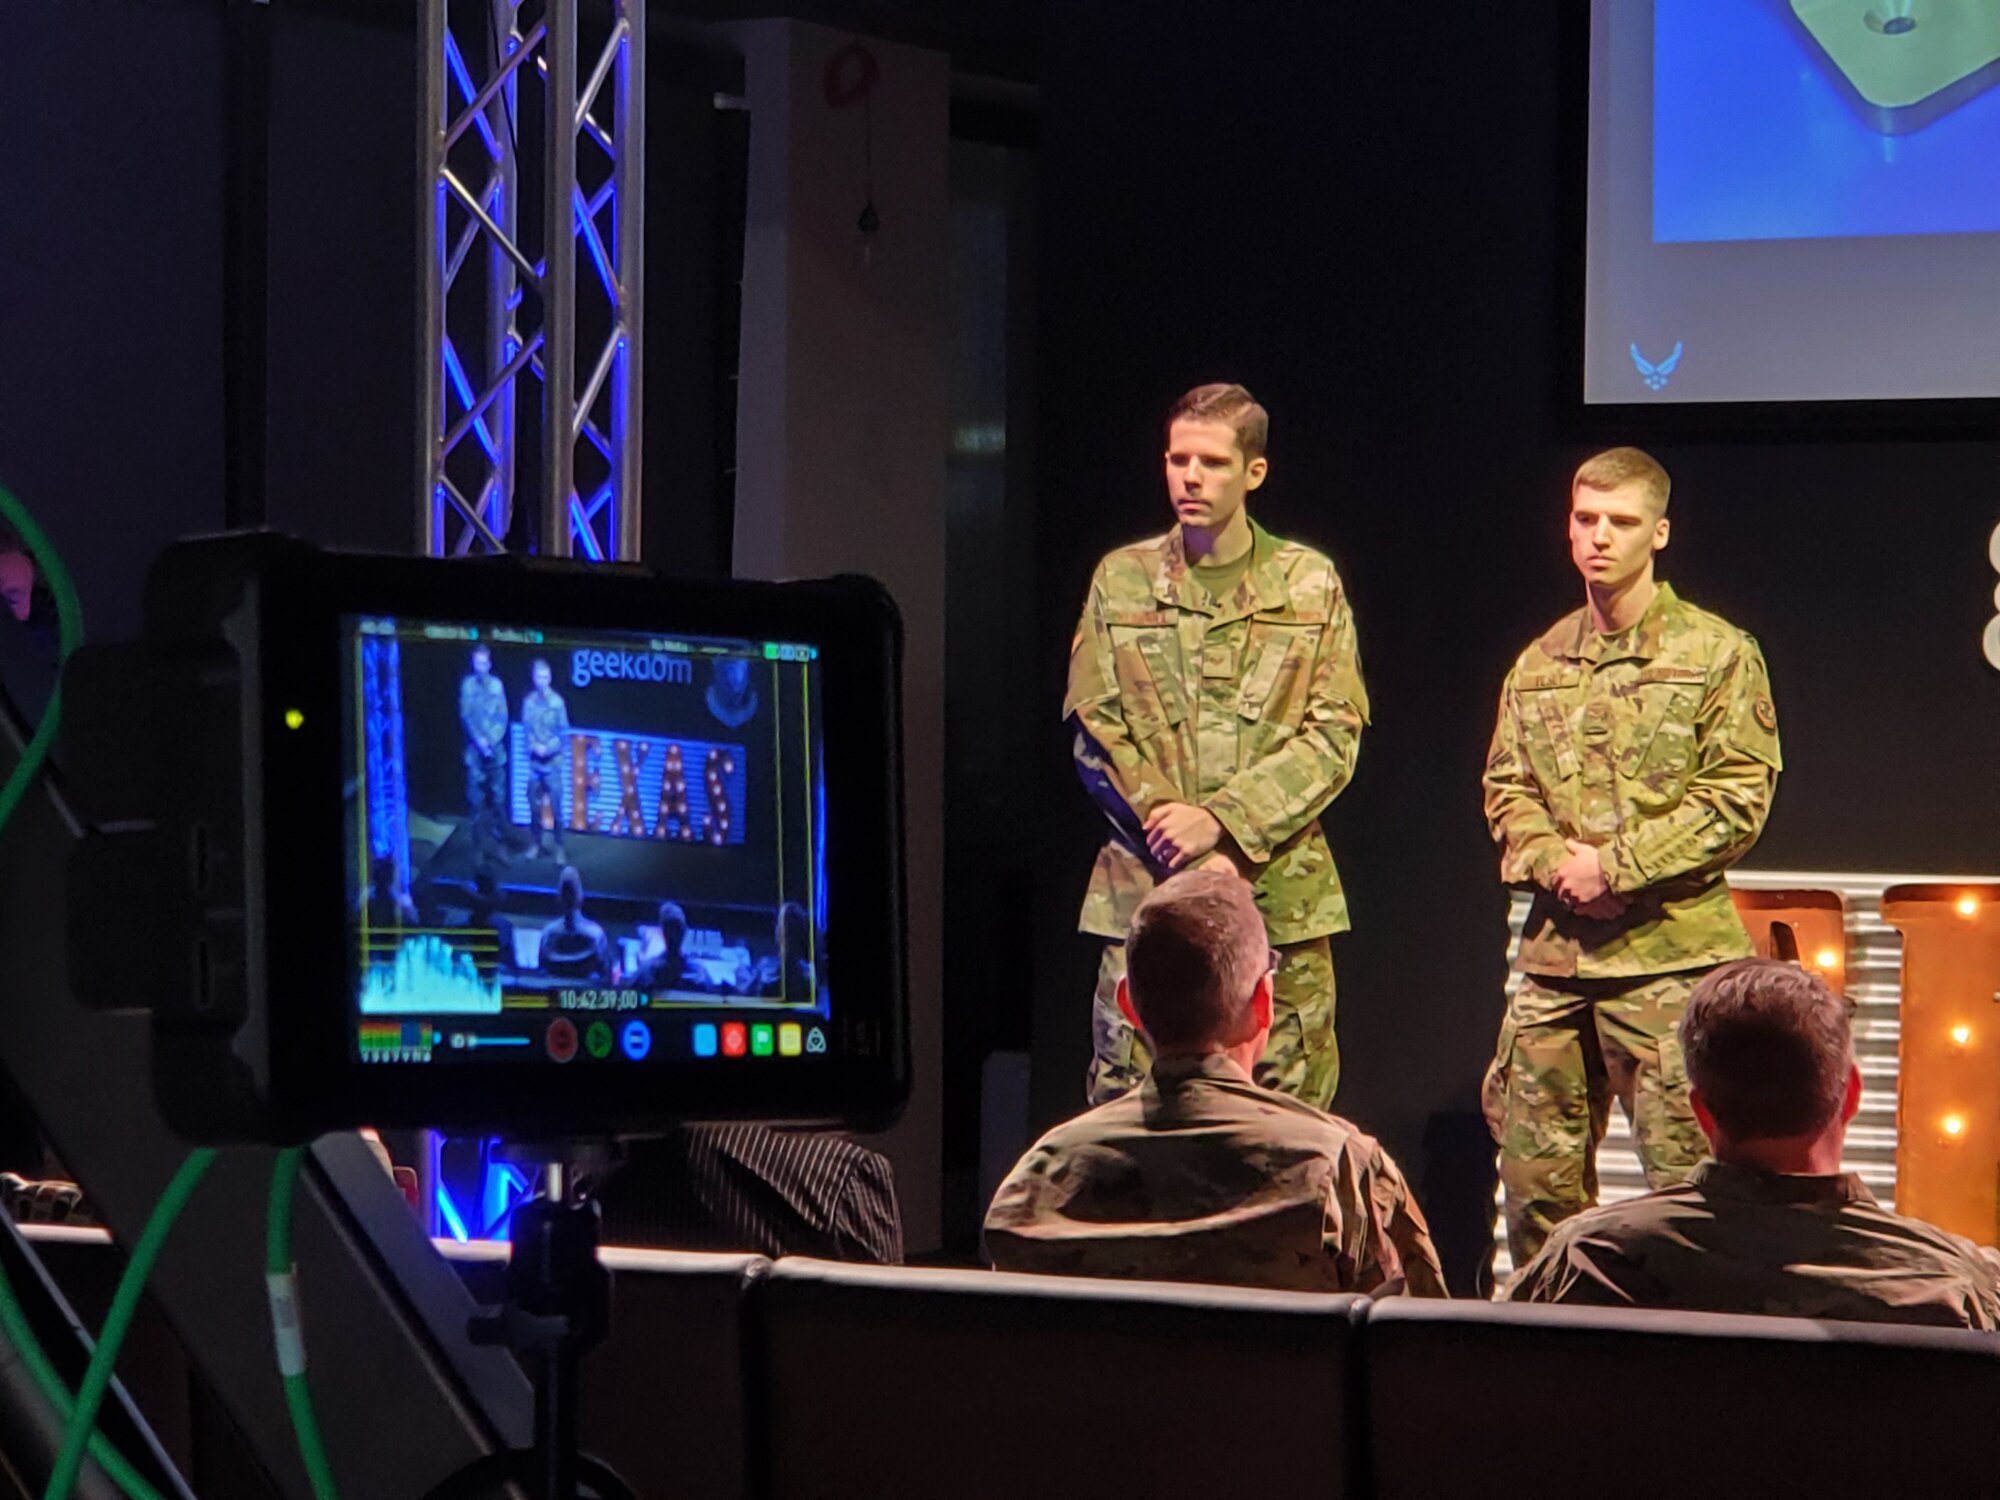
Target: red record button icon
[[560, 1039]]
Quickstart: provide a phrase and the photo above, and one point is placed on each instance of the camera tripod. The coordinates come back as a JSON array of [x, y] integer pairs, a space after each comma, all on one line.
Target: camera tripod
[[557, 1309]]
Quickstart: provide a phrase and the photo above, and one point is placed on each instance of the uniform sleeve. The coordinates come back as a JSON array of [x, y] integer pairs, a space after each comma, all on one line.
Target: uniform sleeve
[[1729, 793], [1585, 1270], [465, 707], [1269, 800], [1381, 1245], [1532, 846], [1115, 772]]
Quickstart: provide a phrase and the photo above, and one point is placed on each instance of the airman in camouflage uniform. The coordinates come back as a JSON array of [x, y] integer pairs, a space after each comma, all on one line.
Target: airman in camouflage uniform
[[1771, 1225], [1733, 1239], [1157, 1185], [1200, 1174], [545, 723], [1246, 708], [1629, 768], [482, 713]]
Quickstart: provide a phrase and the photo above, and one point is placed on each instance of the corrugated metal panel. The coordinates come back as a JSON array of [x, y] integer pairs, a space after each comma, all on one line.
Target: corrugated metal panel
[[1874, 984]]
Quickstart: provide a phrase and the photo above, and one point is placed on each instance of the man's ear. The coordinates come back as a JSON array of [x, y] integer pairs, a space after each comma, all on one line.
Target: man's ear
[[1662, 530], [1256, 472], [1125, 1003], [1263, 1001], [1702, 1115], [1850, 1104]]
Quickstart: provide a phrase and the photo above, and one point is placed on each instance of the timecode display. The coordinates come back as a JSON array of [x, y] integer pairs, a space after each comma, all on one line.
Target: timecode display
[[600, 999]]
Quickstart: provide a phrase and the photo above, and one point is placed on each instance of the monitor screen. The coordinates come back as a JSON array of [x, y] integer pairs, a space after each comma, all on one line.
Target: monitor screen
[[1792, 201], [583, 848]]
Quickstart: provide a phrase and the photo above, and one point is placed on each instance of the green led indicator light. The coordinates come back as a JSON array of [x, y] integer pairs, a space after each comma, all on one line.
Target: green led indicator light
[[294, 719]]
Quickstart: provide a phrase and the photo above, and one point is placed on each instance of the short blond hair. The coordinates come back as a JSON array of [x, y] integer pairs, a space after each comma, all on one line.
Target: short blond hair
[[1231, 405], [1615, 468]]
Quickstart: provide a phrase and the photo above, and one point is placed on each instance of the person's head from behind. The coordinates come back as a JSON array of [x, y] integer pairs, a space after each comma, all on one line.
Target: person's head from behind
[[1198, 968], [485, 891], [1617, 517], [1216, 436], [569, 891], [1770, 1062], [794, 934], [17, 576], [673, 928]]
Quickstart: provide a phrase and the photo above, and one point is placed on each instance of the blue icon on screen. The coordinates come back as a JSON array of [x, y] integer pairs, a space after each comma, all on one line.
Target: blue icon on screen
[[1656, 375], [704, 1040], [635, 1040]]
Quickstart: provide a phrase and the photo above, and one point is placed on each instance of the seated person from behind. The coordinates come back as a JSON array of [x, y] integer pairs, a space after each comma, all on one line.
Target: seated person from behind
[[670, 968], [388, 905], [788, 970], [1200, 1174], [1770, 1224], [485, 912], [573, 946], [768, 1190]]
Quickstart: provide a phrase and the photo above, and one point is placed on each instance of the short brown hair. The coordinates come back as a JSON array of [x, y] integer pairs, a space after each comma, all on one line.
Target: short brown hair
[[1229, 404], [1196, 947], [1769, 1046], [1615, 468]]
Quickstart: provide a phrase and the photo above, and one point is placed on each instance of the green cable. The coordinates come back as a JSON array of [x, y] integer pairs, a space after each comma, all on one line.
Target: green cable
[[281, 1276], [124, 1303], [69, 635], [14, 1324], [13, 1321]]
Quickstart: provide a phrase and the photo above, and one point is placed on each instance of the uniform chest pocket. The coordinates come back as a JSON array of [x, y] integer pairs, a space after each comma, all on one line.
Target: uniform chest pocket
[[1663, 744], [1147, 659], [1277, 672], [1546, 731]]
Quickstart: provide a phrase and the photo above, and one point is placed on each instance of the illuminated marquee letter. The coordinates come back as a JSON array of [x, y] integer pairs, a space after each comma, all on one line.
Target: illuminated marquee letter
[[631, 759], [672, 821], [583, 781], [1990, 642]]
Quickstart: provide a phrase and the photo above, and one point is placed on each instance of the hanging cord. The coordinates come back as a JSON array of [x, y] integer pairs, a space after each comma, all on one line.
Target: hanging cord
[[15, 1328], [287, 1331], [69, 635], [124, 1303], [13, 1319]]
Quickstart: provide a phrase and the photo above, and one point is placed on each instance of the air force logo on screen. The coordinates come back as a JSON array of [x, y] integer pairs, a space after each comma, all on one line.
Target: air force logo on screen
[[1656, 375]]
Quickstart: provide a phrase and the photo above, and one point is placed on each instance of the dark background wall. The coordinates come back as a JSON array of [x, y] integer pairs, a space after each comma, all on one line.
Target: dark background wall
[[1354, 210]]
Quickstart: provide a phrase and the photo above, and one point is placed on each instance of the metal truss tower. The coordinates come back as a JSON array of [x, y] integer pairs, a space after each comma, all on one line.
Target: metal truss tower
[[507, 301]]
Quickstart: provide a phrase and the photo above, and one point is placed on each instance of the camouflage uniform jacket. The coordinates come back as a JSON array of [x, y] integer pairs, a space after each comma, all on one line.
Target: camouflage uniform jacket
[[1658, 746], [1251, 707], [482, 709], [1201, 1175], [545, 719], [1736, 1239]]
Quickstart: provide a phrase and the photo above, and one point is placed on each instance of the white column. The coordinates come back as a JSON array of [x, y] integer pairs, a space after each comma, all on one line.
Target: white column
[[842, 417]]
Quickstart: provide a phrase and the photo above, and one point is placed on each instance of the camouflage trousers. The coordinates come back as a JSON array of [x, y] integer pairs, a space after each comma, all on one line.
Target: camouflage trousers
[[1302, 1058], [1566, 1048]]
